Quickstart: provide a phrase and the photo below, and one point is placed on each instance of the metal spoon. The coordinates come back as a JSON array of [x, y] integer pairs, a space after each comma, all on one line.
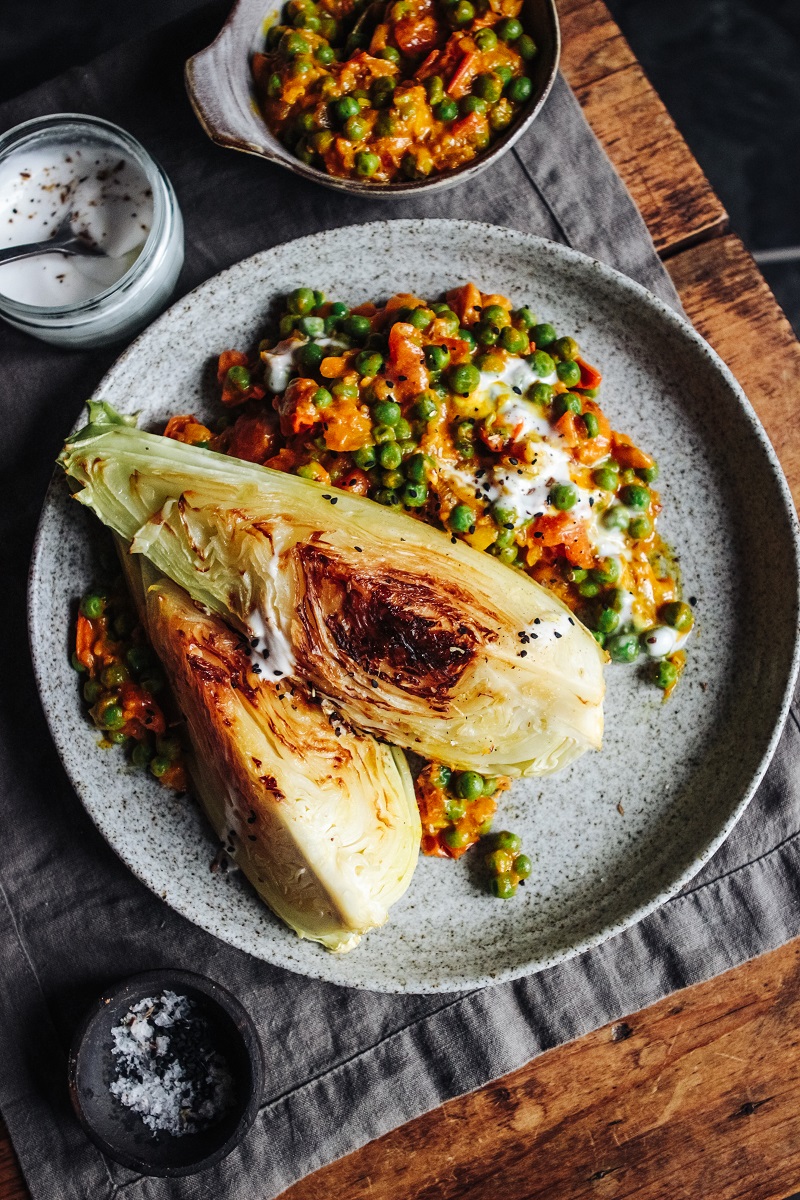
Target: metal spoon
[[65, 240]]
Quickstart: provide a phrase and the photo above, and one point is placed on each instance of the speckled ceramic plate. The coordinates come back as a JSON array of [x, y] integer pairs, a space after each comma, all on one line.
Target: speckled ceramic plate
[[620, 831]]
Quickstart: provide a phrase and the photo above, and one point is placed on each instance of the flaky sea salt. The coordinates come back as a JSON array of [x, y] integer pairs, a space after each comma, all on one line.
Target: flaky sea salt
[[168, 1068]]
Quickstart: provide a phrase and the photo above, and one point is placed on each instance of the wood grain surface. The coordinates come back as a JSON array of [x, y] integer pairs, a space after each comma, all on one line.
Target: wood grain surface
[[696, 1098]]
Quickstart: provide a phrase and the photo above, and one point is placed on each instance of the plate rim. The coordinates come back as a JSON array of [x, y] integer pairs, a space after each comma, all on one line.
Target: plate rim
[[636, 913]]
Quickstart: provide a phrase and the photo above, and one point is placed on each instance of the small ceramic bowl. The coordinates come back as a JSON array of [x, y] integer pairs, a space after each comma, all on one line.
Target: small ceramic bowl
[[220, 87], [118, 1131]]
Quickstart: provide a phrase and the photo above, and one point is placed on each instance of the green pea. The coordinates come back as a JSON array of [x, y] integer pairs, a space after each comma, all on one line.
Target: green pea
[[599, 637], [461, 519], [324, 55], [365, 457], [487, 334], [591, 424], [526, 47], [338, 309], [574, 574], [434, 87], [640, 528], [368, 362], [499, 861], [440, 776], [568, 372], [462, 13], [153, 683], [519, 89], [446, 110], [274, 35], [307, 471], [311, 326], [286, 324], [566, 348], [356, 326], [93, 605], [169, 746], [355, 129], [615, 517], [607, 620], [514, 340], [388, 498], [511, 842], [306, 124], [486, 39], [113, 675], [503, 73], [468, 785], [509, 29], [589, 588], [77, 665], [623, 647], [635, 496], [540, 393], [416, 468], [415, 495], [311, 355], [112, 717], [543, 335], [563, 496], [390, 455], [425, 407], [383, 433], [454, 810], [293, 44], [464, 379], [488, 87], [274, 86], [393, 480], [322, 398], [386, 412], [138, 658], [382, 93], [606, 479], [665, 674], [328, 27], [346, 108], [508, 555], [366, 162], [141, 755], [608, 572], [454, 837], [523, 866], [542, 364], [679, 615], [390, 54], [503, 886], [648, 474], [465, 336], [301, 301], [92, 691], [473, 104], [495, 314], [421, 318], [345, 390], [160, 765], [566, 402], [504, 516]]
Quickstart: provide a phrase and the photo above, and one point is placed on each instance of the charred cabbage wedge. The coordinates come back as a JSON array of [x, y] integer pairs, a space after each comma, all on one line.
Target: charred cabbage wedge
[[323, 821], [432, 645]]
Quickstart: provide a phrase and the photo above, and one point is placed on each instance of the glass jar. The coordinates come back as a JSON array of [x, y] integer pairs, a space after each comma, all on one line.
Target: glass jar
[[120, 310]]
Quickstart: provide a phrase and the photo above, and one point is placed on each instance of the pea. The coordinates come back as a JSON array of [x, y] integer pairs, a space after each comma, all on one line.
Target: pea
[[504, 516], [328, 27], [468, 785], [386, 412], [508, 555], [495, 314], [591, 425], [623, 647], [615, 517], [112, 716], [486, 39], [464, 379], [293, 44], [454, 810], [566, 348], [301, 301], [543, 335], [589, 588], [526, 47], [170, 747], [503, 886], [509, 29], [368, 362], [503, 73], [465, 336], [306, 123], [486, 334], [387, 497], [393, 479], [542, 363], [308, 470], [599, 637], [488, 87], [454, 837], [540, 393], [648, 474], [473, 104], [383, 433], [345, 390], [568, 372], [566, 402], [563, 496], [499, 862], [440, 776], [519, 89], [609, 571], [446, 110], [635, 496], [274, 86], [416, 468], [461, 518], [523, 866], [640, 528], [77, 665], [140, 756], [607, 620], [138, 658], [338, 309], [286, 324], [510, 842], [462, 13], [274, 36], [575, 574], [322, 398], [382, 93], [606, 479], [489, 785], [311, 326], [356, 326], [93, 605], [425, 408], [324, 55], [113, 675], [665, 674], [366, 162], [504, 539], [92, 691], [514, 340], [355, 129], [365, 457], [160, 765], [415, 495], [434, 87], [346, 108], [390, 54], [678, 615], [390, 455]]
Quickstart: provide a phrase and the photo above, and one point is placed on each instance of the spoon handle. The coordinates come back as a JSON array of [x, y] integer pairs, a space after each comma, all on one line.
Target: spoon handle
[[10, 254]]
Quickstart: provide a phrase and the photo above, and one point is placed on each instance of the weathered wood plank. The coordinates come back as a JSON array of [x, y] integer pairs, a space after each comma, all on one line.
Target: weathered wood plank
[[727, 299], [696, 1096]]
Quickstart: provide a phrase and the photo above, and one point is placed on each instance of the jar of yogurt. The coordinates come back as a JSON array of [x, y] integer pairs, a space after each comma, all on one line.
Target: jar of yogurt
[[87, 175]]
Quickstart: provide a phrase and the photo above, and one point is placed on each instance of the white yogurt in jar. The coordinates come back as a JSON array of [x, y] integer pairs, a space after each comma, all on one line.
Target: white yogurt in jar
[[107, 200]]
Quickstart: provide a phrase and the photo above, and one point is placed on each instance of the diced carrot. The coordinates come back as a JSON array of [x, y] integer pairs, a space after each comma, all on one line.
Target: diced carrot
[[252, 438], [465, 302], [84, 642], [346, 427], [406, 365], [296, 408], [187, 429], [460, 82], [416, 35], [628, 455], [590, 376], [563, 531], [332, 368], [428, 64]]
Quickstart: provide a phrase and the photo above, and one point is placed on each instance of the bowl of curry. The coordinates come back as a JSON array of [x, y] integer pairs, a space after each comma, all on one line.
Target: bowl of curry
[[382, 98]]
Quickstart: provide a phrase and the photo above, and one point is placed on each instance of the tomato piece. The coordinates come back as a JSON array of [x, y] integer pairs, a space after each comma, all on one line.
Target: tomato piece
[[295, 407], [346, 427], [466, 303], [590, 376], [406, 364], [416, 35], [187, 429], [252, 438], [628, 455]]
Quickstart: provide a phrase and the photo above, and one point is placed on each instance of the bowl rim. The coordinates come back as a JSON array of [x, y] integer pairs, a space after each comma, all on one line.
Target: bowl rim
[[130, 988], [446, 179]]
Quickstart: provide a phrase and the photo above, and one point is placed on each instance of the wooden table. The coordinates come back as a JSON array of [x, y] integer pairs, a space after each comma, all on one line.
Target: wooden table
[[698, 1097]]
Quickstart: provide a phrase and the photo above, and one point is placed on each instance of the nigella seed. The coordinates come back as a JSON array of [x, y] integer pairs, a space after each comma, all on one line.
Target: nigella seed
[[556, 633], [538, 534], [523, 653], [513, 461], [536, 621], [277, 673], [251, 820], [358, 548], [251, 837], [374, 682], [570, 620], [256, 669], [454, 540], [517, 390], [325, 496], [334, 499], [254, 642]]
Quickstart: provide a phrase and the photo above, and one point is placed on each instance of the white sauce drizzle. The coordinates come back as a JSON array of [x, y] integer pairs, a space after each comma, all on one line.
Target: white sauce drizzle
[[278, 362]]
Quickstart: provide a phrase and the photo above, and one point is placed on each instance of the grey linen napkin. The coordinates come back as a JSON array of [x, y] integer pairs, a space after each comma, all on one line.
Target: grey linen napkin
[[342, 1066]]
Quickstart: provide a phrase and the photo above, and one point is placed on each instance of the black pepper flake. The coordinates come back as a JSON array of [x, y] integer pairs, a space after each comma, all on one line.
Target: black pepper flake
[[556, 633]]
